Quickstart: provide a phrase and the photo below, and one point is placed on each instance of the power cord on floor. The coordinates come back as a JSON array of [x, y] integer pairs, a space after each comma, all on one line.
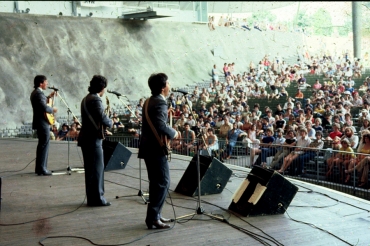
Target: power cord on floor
[[15, 171], [309, 191], [57, 215], [332, 198], [316, 227], [274, 240], [132, 241], [268, 237], [252, 234]]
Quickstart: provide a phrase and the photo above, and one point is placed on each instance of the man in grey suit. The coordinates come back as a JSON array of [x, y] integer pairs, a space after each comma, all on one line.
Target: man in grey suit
[[90, 139], [151, 151], [39, 123]]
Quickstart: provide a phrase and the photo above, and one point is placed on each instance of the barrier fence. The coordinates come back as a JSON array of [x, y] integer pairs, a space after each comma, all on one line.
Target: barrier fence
[[346, 172]]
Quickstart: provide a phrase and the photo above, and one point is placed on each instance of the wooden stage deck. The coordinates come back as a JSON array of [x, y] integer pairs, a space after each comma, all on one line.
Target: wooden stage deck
[[34, 207]]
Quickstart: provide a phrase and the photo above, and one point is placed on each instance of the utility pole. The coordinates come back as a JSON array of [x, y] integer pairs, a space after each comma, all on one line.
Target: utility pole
[[356, 28]]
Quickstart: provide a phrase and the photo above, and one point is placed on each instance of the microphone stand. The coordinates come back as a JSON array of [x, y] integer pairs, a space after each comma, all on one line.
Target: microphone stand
[[69, 169], [199, 209], [144, 196]]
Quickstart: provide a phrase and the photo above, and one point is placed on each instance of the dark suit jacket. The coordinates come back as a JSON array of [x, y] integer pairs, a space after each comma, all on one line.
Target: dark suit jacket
[[89, 133], [157, 111], [38, 101]]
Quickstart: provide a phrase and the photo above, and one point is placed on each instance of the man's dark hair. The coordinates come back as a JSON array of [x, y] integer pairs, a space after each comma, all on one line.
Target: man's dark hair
[[38, 80], [97, 84], [156, 82]]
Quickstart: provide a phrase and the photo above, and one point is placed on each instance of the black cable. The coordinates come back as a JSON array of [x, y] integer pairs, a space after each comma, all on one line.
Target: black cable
[[86, 239], [314, 226], [106, 180], [135, 240], [127, 175], [17, 170], [338, 201], [236, 215], [252, 234], [255, 236], [228, 190], [31, 221], [171, 169], [273, 240]]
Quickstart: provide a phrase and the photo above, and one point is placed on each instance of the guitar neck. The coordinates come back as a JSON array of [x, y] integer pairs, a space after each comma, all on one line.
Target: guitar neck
[[170, 116], [170, 119]]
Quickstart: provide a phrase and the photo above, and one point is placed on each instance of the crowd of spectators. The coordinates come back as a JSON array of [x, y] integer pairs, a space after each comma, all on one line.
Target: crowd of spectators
[[131, 117], [65, 132], [221, 116], [214, 120], [332, 65], [243, 23]]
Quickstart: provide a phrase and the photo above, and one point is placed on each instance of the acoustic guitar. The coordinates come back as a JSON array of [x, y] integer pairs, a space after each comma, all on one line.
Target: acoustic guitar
[[49, 116]]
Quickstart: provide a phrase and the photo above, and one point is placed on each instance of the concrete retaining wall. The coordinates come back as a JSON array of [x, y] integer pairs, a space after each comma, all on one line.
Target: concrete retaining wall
[[70, 50]]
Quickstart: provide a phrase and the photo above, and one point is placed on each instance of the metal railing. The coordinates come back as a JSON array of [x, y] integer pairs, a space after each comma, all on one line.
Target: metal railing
[[325, 167], [306, 164]]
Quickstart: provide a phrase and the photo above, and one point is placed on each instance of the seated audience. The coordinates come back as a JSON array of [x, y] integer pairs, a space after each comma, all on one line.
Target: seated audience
[[302, 141]]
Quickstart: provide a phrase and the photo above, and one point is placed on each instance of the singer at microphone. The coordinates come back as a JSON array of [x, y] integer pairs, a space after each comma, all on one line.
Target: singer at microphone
[[115, 93]]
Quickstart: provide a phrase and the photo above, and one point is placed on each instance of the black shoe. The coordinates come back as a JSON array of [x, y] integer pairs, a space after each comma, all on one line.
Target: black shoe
[[164, 220], [99, 204], [45, 173], [157, 225]]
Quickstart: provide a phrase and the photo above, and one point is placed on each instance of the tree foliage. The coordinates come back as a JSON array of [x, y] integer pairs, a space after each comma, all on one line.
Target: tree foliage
[[262, 16], [322, 23], [302, 20], [346, 28]]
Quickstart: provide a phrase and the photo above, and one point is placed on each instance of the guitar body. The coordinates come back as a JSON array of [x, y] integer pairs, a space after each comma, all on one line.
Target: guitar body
[[50, 118]]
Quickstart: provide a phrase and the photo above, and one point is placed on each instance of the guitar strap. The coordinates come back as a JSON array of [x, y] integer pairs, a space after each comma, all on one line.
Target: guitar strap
[[91, 118], [146, 104]]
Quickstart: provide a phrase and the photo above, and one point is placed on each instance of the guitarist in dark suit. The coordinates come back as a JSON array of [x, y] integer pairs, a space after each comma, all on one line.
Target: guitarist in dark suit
[[90, 140], [40, 123], [151, 151]]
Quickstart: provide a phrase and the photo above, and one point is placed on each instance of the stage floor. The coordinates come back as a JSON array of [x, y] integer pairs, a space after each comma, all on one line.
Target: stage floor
[[35, 207]]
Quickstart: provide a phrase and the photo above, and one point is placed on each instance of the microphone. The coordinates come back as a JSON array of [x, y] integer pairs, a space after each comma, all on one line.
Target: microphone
[[53, 88], [179, 90], [115, 93]]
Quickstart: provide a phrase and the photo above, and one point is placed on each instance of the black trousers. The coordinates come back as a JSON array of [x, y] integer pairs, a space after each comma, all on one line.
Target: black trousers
[[94, 172], [159, 182], [42, 151]]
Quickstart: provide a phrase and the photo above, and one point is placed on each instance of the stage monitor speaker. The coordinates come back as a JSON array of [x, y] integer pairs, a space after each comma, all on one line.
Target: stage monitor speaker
[[116, 155], [263, 192], [214, 176]]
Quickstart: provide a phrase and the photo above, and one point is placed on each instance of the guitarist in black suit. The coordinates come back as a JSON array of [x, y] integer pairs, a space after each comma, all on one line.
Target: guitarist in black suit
[[151, 151], [90, 139], [40, 123]]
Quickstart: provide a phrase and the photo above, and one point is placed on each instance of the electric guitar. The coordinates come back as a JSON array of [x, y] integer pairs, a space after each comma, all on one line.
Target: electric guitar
[[50, 116]]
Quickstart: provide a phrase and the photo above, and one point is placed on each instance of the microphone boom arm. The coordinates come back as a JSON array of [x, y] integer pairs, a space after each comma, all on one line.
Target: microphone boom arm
[[132, 113], [61, 98]]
